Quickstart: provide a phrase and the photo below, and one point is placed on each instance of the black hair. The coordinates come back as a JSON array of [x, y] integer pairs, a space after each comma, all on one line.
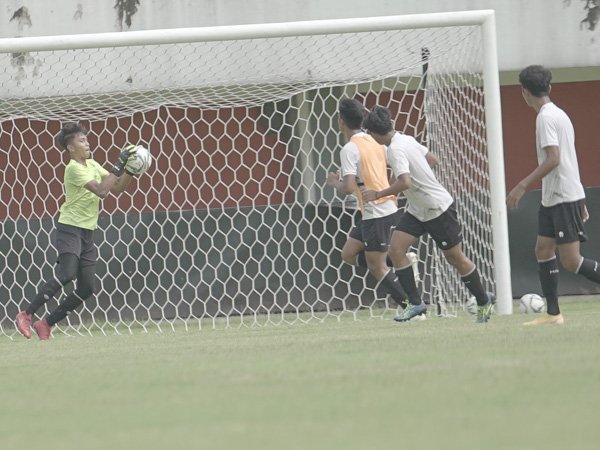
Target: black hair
[[536, 79], [68, 132], [352, 112], [379, 121]]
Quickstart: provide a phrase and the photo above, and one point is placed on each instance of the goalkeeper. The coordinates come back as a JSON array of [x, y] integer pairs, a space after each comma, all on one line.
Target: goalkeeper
[[85, 183], [430, 209]]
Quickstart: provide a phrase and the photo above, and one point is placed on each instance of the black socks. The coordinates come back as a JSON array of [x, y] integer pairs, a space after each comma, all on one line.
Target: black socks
[[406, 276], [66, 306], [47, 292], [590, 269], [392, 285], [473, 283], [548, 272]]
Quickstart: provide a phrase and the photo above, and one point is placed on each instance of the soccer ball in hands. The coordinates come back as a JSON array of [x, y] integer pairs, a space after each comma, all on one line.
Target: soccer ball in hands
[[140, 162], [531, 303]]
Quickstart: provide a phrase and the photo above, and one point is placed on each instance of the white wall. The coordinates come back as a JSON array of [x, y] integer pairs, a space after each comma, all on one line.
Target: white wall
[[548, 32]]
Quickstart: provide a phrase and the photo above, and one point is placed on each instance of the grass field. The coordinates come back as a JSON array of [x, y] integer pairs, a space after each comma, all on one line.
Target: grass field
[[369, 384]]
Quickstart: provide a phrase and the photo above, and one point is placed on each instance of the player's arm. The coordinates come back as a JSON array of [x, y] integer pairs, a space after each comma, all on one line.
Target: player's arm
[[400, 167], [402, 183], [117, 180], [103, 188], [349, 158], [110, 184], [121, 183], [345, 185], [548, 165]]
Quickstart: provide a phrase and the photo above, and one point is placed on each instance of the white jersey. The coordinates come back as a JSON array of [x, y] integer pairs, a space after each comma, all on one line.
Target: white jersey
[[554, 128], [350, 160], [427, 198]]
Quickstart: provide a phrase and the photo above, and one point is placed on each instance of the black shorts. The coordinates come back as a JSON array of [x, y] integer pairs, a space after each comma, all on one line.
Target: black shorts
[[77, 241], [375, 234], [562, 222], [445, 229]]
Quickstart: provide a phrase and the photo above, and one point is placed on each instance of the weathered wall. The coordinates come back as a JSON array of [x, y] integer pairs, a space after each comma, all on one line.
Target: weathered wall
[[560, 33]]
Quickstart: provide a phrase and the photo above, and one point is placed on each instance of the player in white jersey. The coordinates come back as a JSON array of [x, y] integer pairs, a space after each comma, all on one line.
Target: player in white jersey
[[563, 212], [430, 209], [363, 166]]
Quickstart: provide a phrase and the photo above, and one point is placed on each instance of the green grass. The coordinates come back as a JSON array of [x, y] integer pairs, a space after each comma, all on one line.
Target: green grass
[[371, 384]]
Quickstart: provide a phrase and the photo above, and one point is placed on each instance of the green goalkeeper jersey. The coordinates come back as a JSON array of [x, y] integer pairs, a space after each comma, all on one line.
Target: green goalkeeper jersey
[[81, 206]]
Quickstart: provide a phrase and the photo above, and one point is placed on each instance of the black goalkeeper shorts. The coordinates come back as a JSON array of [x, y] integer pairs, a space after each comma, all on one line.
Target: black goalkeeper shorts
[[77, 241]]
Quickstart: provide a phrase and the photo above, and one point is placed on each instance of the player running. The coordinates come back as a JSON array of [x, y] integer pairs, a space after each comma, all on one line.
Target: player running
[[363, 166], [430, 209]]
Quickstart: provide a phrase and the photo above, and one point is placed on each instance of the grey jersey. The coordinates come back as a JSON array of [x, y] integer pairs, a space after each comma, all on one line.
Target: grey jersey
[[427, 198], [554, 128]]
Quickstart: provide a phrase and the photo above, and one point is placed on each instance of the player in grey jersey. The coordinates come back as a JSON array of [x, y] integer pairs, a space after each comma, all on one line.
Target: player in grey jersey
[[563, 212], [430, 209]]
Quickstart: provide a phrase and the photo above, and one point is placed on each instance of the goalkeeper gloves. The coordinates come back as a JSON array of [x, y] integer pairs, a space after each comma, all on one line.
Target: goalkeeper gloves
[[119, 166]]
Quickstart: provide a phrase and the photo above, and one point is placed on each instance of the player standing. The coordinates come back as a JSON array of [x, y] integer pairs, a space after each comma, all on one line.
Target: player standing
[[562, 213], [363, 166], [86, 182], [430, 209]]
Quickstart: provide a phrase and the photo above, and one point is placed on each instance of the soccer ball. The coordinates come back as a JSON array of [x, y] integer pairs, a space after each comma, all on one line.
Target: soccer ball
[[531, 303], [471, 305], [140, 162]]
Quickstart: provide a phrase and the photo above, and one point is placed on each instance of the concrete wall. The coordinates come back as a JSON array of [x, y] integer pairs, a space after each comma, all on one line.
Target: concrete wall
[[557, 33]]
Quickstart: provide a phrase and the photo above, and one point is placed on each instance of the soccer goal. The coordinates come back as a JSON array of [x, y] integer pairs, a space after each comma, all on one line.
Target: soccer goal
[[233, 224]]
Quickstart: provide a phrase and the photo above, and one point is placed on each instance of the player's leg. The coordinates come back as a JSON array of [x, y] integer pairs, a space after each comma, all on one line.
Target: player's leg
[[86, 274], [83, 291], [355, 254], [376, 235], [589, 268], [468, 272], [447, 233], [545, 254], [353, 246], [65, 272], [399, 246], [406, 232], [361, 260], [569, 218], [469, 275]]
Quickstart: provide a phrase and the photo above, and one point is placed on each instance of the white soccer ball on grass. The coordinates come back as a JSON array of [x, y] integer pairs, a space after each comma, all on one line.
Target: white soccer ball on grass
[[140, 162], [532, 304]]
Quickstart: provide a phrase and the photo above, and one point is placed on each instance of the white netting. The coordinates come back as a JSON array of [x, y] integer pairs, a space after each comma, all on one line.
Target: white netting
[[233, 223]]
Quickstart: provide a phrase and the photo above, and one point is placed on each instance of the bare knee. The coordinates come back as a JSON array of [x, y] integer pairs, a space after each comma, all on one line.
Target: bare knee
[[453, 260], [544, 254], [399, 258], [545, 248], [378, 271], [459, 260], [570, 262], [349, 257]]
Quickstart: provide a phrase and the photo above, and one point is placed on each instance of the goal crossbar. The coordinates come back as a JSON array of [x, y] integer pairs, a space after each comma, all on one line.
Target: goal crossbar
[[252, 31]]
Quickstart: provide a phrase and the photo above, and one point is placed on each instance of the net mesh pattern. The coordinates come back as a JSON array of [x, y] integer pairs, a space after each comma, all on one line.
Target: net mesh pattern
[[233, 224]]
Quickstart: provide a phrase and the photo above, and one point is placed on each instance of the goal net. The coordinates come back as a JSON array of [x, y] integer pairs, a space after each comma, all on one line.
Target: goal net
[[233, 224]]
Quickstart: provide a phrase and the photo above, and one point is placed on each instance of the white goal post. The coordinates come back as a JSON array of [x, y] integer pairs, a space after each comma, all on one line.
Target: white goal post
[[233, 224]]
